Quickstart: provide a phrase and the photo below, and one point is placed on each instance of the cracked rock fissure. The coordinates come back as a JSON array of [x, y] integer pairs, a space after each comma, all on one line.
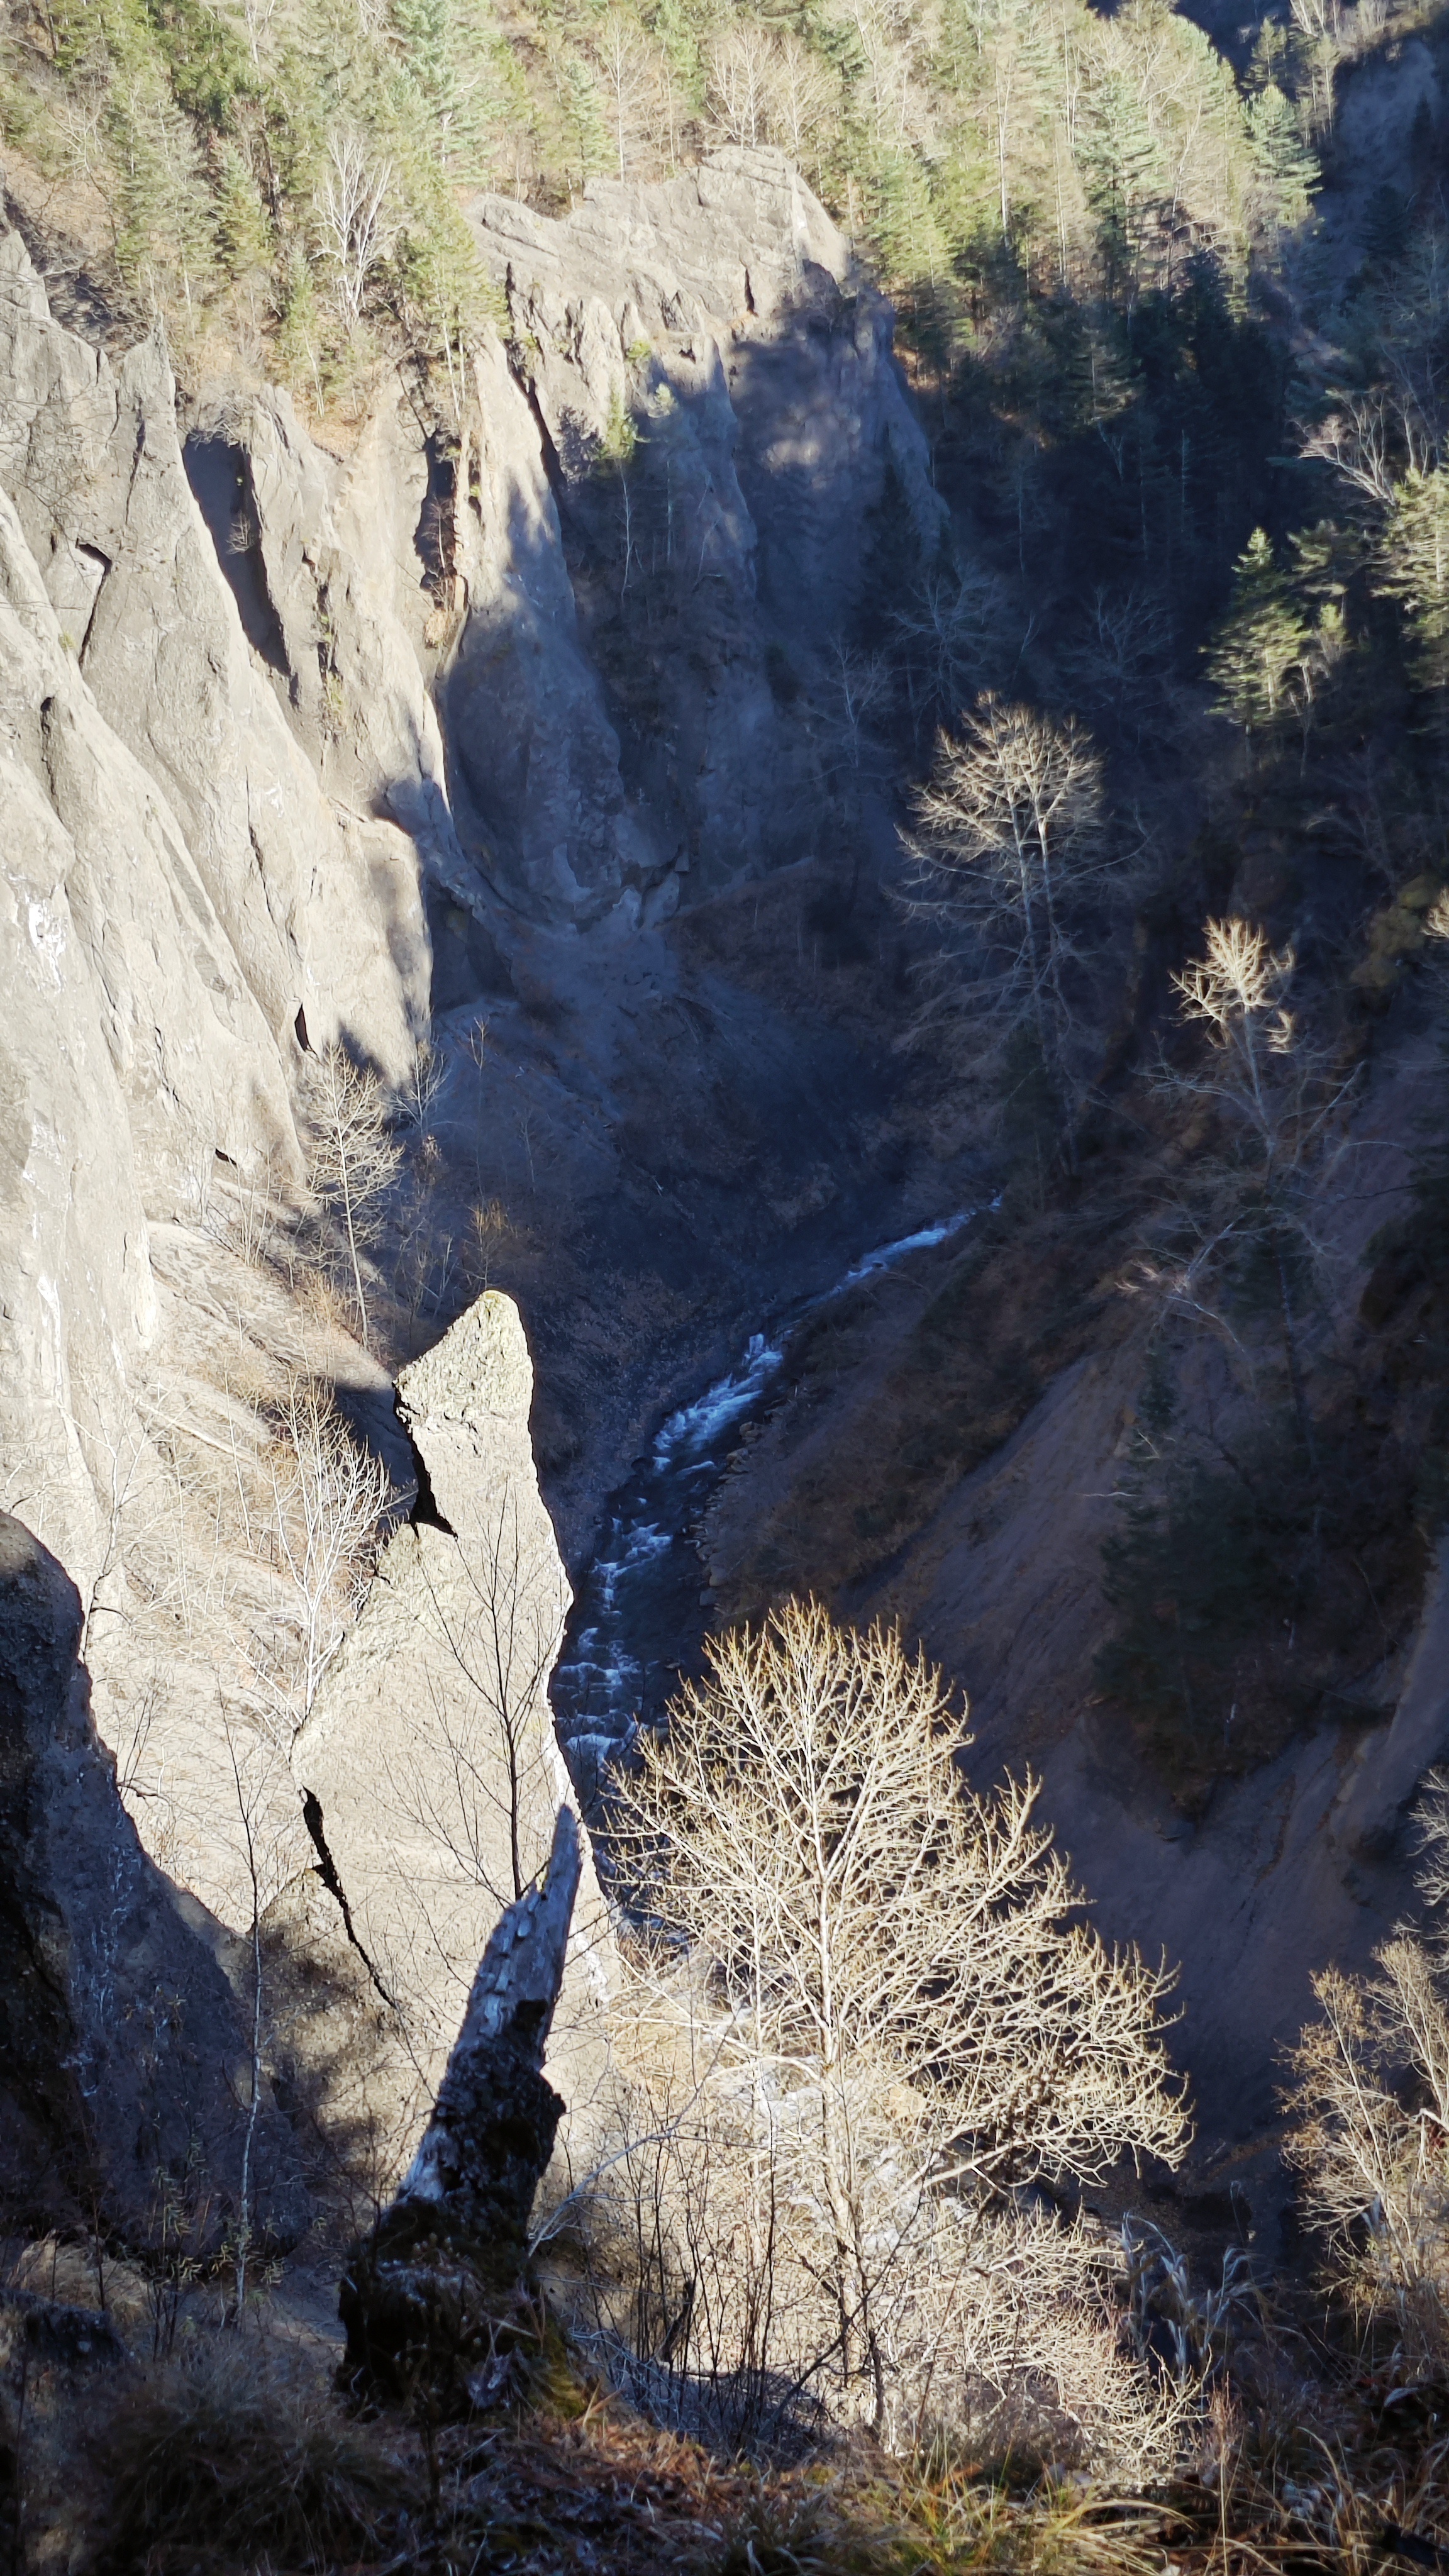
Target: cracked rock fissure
[[327, 1872]]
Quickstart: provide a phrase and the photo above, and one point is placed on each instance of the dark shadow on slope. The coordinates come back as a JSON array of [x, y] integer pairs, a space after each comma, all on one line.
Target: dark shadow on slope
[[220, 476]]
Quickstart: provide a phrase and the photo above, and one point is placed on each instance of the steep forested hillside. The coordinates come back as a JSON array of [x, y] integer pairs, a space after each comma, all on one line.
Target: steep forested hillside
[[285, 173]]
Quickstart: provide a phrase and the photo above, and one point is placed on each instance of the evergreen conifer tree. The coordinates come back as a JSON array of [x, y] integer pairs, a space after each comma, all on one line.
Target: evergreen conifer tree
[[242, 231], [1386, 226], [1259, 643], [1413, 568], [1287, 169]]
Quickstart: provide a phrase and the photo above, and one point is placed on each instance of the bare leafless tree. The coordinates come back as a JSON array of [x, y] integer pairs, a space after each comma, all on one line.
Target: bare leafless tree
[[425, 1082], [629, 77], [354, 214], [741, 62], [325, 1500], [1370, 2147], [1012, 853], [354, 1157], [859, 688], [1278, 1104], [1357, 439], [799, 95], [906, 2014], [482, 1783], [945, 638]]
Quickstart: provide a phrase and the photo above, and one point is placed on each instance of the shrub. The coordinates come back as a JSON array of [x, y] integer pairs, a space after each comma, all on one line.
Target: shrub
[[227, 2454]]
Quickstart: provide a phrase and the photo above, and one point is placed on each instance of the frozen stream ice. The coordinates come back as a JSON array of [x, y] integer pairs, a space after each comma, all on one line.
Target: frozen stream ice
[[637, 1620]]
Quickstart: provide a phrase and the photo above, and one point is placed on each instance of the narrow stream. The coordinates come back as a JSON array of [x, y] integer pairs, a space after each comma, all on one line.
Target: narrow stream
[[639, 1617]]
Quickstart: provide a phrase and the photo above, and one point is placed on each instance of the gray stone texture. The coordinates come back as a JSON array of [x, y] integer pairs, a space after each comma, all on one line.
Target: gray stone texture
[[684, 455], [177, 887], [125, 2079], [430, 1750], [425, 2294], [285, 736]]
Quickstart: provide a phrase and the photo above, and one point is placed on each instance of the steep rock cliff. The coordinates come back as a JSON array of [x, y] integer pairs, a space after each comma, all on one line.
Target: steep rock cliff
[[721, 422], [298, 743], [126, 2073], [311, 739], [184, 904], [429, 1765]]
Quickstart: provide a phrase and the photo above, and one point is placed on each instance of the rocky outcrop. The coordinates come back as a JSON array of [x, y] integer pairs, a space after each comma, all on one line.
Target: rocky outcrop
[[615, 567], [293, 739], [183, 905], [125, 2072], [92, 460], [295, 744], [328, 565], [716, 438], [429, 1761], [426, 2296]]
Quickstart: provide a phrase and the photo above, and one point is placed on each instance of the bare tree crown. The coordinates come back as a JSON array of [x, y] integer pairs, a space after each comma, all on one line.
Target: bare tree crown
[[1369, 2147], [883, 2015], [804, 1825], [354, 1158]]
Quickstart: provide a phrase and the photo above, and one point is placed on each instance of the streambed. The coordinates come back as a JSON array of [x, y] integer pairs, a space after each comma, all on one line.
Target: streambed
[[640, 1613]]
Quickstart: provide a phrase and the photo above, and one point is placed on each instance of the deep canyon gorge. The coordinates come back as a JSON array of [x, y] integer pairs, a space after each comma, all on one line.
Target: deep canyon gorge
[[518, 1157]]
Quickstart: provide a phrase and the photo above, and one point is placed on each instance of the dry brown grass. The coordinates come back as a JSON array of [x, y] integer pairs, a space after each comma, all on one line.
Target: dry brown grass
[[232, 2455], [238, 2459]]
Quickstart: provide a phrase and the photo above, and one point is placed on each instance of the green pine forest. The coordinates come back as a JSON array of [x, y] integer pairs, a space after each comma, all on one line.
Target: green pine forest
[[1018, 174]]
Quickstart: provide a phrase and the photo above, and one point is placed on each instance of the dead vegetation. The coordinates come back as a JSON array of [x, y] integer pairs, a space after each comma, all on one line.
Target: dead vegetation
[[237, 2457], [862, 2036]]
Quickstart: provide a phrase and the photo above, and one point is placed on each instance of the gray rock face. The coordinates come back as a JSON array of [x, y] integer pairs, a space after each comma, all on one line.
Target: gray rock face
[[430, 1751], [331, 589], [177, 890], [422, 2295], [93, 463], [687, 454], [125, 2081], [615, 578], [288, 742], [715, 437]]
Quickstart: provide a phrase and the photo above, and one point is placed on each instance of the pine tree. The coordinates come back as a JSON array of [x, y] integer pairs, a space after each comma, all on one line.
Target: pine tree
[[456, 60], [242, 231], [1259, 643], [165, 229], [1413, 568], [582, 111], [1119, 164], [1288, 173], [300, 338]]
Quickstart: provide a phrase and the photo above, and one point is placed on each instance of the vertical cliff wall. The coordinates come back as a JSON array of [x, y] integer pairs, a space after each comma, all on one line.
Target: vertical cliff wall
[[302, 741], [184, 903]]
